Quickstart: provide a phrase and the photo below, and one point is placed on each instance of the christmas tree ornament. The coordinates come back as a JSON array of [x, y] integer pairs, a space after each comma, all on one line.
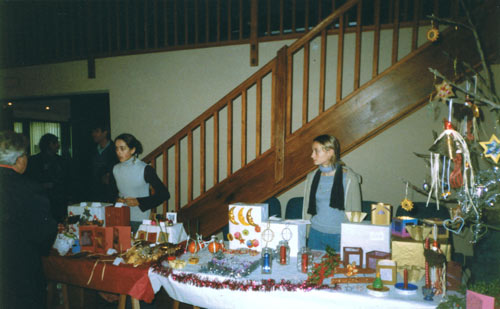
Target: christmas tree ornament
[[406, 203], [491, 148], [433, 33], [444, 91]]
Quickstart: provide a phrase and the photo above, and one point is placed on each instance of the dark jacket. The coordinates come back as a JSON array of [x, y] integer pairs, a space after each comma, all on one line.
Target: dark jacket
[[27, 230], [101, 165]]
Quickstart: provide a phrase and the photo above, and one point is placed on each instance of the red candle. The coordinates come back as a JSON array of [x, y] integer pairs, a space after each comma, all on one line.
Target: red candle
[[405, 279], [427, 276], [305, 261], [427, 246], [282, 255]]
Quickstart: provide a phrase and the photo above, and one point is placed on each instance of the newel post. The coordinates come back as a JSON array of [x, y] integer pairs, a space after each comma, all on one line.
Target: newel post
[[279, 113]]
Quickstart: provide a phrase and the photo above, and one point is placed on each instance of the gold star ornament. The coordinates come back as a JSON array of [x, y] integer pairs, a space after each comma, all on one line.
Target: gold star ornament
[[407, 204], [492, 148], [444, 91]]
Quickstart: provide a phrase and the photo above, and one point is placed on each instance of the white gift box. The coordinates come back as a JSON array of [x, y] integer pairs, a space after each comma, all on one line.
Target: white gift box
[[153, 233], [365, 235], [96, 210], [246, 225], [292, 230]]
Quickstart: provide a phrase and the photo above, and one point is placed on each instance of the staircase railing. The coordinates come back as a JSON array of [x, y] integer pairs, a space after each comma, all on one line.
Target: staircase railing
[[319, 72]]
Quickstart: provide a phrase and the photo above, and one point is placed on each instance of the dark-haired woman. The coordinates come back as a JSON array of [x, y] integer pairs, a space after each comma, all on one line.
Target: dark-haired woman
[[133, 177], [329, 191]]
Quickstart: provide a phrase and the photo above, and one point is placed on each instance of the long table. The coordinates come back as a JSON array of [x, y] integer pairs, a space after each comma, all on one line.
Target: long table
[[102, 276], [348, 296]]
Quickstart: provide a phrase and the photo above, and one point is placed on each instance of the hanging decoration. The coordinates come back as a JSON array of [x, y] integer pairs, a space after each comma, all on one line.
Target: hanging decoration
[[433, 33], [406, 203], [444, 91], [492, 148]]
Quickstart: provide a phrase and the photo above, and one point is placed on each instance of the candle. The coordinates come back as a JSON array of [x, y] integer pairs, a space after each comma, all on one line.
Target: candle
[[282, 255], [427, 276], [305, 261], [427, 246], [434, 232], [405, 278]]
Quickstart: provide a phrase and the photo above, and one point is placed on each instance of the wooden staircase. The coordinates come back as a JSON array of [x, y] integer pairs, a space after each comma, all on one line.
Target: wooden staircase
[[370, 108]]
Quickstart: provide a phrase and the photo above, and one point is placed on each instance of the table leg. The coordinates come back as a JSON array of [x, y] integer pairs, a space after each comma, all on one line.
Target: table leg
[[122, 301], [135, 303], [64, 289], [175, 305], [50, 293]]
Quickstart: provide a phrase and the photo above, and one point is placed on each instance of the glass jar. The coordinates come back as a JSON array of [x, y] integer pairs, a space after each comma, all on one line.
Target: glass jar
[[304, 260], [283, 252], [266, 261]]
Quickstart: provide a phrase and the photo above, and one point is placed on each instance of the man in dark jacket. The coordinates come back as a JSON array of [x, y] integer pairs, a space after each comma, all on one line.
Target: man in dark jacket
[[102, 161], [27, 229]]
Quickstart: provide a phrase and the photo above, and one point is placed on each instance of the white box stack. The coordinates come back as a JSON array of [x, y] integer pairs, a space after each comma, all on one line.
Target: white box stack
[[296, 233], [246, 225], [365, 235]]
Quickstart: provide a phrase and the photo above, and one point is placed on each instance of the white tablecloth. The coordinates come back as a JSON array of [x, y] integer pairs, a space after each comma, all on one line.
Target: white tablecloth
[[350, 296]]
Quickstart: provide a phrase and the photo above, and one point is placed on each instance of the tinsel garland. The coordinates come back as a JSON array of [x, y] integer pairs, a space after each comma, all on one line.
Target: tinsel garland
[[235, 285]]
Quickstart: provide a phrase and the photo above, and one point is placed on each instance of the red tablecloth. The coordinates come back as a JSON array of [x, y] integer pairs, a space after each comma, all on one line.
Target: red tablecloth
[[122, 279]]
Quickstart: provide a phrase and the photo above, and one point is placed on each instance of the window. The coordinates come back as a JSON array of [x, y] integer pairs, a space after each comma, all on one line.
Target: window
[[18, 127], [38, 129]]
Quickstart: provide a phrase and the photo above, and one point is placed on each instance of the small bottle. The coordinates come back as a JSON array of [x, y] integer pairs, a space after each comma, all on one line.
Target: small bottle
[[283, 251], [266, 261], [304, 260]]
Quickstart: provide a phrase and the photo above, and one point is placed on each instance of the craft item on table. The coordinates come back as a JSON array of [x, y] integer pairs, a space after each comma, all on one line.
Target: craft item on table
[[293, 231], [437, 228], [317, 272], [64, 242], [283, 252], [364, 235], [245, 222], [405, 288], [398, 227], [415, 273], [121, 238], [103, 237], [145, 252], [118, 215], [87, 235], [304, 260], [152, 232], [234, 266], [435, 267], [362, 271], [355, 216], [381, 214], [86, 213], [377, 288], [76, 247], [406, 251], [352, 270], [194, 245], [352, 280], [476, 300], [171, 218], [352, 254], [407, 204], [193, 260], [374, 256], [214, 246], [266, 261], [418, 232], [492, 148], [177, 264], [387, 270]]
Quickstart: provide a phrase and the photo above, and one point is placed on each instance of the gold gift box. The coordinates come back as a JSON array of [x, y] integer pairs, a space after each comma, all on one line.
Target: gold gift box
[[381, 214], [409, 252]]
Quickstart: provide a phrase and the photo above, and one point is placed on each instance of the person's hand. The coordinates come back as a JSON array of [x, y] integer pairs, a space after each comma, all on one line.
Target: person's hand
[[131, 201], [121, 200]]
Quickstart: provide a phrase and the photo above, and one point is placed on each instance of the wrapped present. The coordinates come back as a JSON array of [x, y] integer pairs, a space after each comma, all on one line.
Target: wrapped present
[[294, 231], [121, 238], [103, 237], [406, 251], [364, 235], [398, 227], [160, 233], [246, 223], [87, 237], [381, 214], [117, 216]]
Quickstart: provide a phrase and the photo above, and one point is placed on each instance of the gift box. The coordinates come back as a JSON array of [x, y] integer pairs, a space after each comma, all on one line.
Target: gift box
[[246, 224], [442, 232], [121, 238], [381, 214], [103, 238], [87, 235], [387, 270], [117, 216], [156, 233], [406, 251], [373, 257], [292, 230], [364, 235], [398, 227], [352, 254]]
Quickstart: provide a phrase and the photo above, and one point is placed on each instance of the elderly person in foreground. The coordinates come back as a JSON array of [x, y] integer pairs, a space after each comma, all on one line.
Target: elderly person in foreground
[[26, 228]]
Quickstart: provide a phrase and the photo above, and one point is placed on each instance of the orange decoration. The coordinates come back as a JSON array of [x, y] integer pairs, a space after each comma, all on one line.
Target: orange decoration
[[214, 247], [193, 247]]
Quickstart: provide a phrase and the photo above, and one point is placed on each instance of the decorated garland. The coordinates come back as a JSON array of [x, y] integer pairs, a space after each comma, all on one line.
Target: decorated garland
[[324, 269], [235, 285]]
